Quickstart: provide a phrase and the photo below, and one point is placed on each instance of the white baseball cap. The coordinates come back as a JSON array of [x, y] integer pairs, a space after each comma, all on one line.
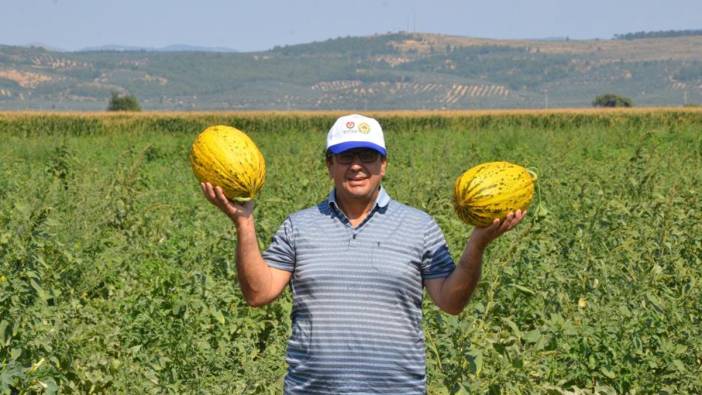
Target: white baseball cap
[[355, 131]]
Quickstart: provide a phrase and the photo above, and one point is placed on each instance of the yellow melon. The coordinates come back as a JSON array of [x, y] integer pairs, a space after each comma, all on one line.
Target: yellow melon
[[492, 190], [226, 157]]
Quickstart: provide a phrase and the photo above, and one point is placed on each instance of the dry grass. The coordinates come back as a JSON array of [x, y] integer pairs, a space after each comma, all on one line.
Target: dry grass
[[674, 48], [328, 113]]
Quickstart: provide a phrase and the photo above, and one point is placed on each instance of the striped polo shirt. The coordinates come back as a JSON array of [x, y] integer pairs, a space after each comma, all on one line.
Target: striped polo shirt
[[357, 296]]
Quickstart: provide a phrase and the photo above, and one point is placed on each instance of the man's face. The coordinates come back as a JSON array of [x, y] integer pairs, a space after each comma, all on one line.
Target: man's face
[[357, 173]]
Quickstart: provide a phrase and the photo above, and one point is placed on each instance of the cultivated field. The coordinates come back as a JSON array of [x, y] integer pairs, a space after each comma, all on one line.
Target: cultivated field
[[116, 276]]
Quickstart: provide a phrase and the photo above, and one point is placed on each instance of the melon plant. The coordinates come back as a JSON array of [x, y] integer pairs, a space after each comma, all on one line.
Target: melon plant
[[492, 190], [226, 157]]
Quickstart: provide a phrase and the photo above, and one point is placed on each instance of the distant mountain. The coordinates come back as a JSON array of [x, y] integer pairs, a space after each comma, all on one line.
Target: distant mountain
[[389, 71], [194, 48], [170, 48]]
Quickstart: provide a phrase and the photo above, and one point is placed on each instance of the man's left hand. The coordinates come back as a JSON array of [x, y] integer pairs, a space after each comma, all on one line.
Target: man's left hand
[[481, 237]]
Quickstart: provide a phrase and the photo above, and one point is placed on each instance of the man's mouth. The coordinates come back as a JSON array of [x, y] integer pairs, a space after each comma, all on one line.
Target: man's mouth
[[357, 179], [360, 176]]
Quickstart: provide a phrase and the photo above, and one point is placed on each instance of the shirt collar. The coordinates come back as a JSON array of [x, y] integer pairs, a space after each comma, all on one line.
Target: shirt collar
[[381, 201]]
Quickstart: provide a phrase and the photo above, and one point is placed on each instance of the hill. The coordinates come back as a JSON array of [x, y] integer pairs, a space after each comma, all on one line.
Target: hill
[[390, 71]]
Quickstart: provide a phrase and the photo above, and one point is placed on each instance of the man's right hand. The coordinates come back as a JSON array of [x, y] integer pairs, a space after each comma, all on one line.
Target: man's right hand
[[236, 212]]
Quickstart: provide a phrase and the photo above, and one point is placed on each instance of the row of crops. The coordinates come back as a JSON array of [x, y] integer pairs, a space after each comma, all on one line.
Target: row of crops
[[116, 276]]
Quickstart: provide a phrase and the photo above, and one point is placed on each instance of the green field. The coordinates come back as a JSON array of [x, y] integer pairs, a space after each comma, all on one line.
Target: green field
[[117, 276]]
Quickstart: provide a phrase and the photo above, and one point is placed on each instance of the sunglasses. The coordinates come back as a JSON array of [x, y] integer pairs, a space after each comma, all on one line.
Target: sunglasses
[[365, 156]]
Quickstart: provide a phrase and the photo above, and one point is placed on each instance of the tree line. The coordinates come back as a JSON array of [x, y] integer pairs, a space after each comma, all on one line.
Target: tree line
[[658, 34]]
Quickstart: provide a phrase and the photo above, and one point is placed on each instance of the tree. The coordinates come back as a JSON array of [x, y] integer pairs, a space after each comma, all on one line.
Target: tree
[[612, 100], [123, 103]]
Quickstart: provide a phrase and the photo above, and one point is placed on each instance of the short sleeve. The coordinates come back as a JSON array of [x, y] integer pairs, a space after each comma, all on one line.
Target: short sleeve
[[280, 254], [436, 259]]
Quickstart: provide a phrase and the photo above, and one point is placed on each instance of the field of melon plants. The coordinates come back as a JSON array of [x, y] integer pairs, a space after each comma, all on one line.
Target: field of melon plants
[[117, 276]]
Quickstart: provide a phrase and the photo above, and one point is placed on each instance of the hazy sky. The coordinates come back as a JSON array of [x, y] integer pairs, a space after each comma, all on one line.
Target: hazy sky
[[261, 24]]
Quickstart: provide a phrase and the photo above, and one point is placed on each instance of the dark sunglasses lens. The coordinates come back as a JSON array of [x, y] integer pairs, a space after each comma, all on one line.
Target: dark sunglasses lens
[[366, 156], [345, 158]]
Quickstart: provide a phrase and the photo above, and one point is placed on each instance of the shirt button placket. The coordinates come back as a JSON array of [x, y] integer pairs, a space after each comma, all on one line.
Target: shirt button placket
[[351, 234], [352, 241]]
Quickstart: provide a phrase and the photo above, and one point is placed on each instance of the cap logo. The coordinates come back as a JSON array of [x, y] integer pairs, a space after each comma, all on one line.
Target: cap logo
[[364, 128], [350, 125]]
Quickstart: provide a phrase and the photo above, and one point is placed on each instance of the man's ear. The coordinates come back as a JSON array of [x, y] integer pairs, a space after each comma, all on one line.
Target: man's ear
[[383, 166], [330, 162]]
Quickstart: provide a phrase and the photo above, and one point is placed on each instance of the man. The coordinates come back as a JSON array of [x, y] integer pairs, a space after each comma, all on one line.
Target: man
[[356, 264]]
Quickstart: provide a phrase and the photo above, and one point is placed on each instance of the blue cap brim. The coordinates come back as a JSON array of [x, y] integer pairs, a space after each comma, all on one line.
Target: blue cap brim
[[339, 148]]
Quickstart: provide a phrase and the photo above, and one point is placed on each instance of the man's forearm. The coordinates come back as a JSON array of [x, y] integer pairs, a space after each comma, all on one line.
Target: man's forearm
[[253, 273], [455, 291], [459, 286]]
